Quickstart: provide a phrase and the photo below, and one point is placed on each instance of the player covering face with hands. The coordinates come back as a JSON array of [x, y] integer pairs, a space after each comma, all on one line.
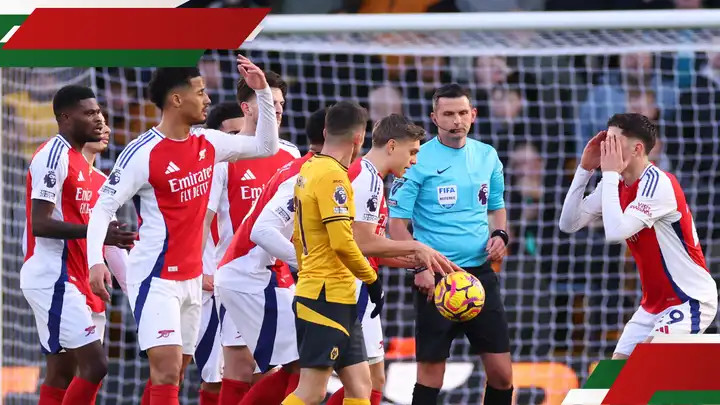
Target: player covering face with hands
[[645, 207]]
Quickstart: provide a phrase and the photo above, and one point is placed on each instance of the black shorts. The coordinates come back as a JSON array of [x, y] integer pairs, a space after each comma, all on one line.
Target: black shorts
[[487, 332], [328, 334]]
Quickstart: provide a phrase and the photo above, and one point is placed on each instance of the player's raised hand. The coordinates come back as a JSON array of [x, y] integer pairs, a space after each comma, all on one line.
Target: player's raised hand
[[118, 236], [590, 159], [495, 248], [253, 75], [611, 156], [99, 276]]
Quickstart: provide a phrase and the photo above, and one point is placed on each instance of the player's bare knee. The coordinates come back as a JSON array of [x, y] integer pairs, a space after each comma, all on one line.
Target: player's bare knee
[[431, 374], [93, 369], [377, 376], [210, 387], [165, 370]]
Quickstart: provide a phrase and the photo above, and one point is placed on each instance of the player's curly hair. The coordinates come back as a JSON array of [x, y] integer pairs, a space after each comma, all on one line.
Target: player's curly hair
[[163, 80], [244, 92], [636, 126]]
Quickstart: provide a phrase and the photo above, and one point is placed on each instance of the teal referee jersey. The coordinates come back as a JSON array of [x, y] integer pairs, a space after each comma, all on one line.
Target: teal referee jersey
[[447, 195]]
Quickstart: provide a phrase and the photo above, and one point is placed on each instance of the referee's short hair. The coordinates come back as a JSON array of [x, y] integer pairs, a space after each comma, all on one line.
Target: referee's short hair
[[452, 90], [398, 127], [344, 118]]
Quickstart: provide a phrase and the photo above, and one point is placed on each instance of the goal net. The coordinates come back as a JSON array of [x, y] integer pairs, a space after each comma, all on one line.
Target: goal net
[[541, 93]]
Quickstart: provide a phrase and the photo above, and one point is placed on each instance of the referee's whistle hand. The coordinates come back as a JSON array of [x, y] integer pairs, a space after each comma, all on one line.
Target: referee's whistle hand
[[425, 283], [495, 249]]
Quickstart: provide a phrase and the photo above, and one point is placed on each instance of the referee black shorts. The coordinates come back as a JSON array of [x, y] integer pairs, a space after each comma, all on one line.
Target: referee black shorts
[[487, 332], [328, 334]]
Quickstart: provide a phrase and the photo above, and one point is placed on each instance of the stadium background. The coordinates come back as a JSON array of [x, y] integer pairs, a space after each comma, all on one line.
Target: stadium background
[[540, 96]]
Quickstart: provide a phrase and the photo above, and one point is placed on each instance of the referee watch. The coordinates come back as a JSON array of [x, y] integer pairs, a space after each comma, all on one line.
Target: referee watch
[[502, 234]]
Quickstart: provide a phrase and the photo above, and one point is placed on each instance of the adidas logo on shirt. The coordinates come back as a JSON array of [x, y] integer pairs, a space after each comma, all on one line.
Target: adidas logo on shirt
[[248, 175], [172, 168], [80, 177]]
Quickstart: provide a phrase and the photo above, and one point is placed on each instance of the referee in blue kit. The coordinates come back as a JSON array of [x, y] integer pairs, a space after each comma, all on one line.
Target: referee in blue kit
[[454, 198]]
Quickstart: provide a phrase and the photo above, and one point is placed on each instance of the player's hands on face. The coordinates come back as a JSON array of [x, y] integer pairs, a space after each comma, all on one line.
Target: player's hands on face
[[590, 159], [425, 283], [208, 282], [118, 236], [495, 248], [434, 260], [253, 75], [99, 276], [611, 158], [377, 296]]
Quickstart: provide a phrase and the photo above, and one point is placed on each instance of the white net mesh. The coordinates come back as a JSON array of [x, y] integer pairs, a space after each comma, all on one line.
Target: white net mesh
[[539, 96]]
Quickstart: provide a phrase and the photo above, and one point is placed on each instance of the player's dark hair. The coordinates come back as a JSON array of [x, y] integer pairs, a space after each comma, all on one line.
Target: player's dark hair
[[222, 112], [244, 92], [398, 127], [314, 127], [69, 96], [344, 118], [452, 90], [636, 126], [164, 80]]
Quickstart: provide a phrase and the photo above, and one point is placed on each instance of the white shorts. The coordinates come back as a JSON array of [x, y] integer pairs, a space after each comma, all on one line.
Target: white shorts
[[372, 328], [208, 353], [167, 312], [62, 317], [229, 334], [266, 321], [688, 318], [99, 321]]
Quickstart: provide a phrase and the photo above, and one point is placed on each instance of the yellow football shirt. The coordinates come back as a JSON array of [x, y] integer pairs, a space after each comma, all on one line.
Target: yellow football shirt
[[323, 195]]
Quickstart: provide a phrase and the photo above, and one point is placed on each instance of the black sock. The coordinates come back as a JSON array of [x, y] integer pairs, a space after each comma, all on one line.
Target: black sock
[[423, 395], [494, 396]]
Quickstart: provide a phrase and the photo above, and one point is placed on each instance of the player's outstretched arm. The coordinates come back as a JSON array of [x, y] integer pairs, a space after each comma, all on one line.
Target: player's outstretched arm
[[375, 245], [274, 226], [577, 212], [117, 260], [44, 226]]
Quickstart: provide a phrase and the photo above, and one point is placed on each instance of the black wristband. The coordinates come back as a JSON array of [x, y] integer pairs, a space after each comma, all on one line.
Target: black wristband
[[502, 234], [417, 270]]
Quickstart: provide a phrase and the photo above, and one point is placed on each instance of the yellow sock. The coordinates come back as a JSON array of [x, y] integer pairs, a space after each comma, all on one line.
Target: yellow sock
[[356, 401], [292, 399]]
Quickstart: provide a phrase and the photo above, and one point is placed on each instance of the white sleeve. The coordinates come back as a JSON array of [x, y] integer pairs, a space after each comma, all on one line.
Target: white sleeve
[[117, 262], [123, 183], [219, 186], [274, 226], [368, 191], [577, 212], [642, 213], [48, 175], [229, 148]]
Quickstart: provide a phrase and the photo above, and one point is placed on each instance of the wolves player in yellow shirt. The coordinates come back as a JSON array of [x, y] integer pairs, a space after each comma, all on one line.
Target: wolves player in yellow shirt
[[328, 329]]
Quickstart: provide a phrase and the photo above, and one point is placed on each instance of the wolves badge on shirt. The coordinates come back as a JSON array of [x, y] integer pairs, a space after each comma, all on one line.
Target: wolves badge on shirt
[[447, 196]]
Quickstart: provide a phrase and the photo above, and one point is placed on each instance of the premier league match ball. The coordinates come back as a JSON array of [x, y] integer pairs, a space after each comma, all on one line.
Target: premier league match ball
[[459, 296]]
